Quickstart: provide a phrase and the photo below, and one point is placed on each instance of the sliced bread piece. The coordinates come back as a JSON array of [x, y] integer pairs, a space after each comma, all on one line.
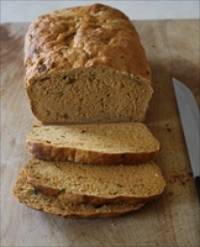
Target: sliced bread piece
[[96, 184], [93, 143], [28, 195]]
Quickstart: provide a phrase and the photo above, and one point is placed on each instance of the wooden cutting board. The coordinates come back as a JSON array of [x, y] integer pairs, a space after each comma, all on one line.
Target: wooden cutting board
[[172, 220]]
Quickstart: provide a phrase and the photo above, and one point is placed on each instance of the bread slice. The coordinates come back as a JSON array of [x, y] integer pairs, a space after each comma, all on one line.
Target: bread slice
[[96, 184], [28, 195], [86, 64], [103, 144]]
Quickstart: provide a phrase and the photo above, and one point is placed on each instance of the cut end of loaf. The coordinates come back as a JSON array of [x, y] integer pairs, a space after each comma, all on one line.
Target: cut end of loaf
[[98, 94]]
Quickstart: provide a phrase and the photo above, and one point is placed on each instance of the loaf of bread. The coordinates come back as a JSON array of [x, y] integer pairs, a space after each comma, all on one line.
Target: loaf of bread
[[33, 198], [86, 64], [101, 144], [96, 184]]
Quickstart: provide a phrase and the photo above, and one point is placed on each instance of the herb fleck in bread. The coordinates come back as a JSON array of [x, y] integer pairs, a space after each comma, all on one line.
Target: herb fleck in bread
[[94, 143], [96, 184], [86, 64], [28, 195]]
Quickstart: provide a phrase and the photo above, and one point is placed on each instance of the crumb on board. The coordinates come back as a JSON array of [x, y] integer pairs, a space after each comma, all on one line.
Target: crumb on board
[[168, 128], [181, 178]]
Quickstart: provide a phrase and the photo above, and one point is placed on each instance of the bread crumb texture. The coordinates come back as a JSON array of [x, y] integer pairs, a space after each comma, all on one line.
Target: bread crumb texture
[[111, 138]]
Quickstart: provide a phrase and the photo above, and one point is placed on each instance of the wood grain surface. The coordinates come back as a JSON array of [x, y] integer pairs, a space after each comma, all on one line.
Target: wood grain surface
[[171, 221]]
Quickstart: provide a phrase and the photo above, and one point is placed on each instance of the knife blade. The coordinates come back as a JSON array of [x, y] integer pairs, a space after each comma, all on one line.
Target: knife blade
[[190, 121]]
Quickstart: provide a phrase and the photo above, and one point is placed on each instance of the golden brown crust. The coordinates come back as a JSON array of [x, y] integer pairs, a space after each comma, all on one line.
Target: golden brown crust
[[83, 37], [26, 194], [52, 153]]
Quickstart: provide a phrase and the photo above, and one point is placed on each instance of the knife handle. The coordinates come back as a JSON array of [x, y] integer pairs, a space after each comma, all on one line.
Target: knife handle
[[197, 183]]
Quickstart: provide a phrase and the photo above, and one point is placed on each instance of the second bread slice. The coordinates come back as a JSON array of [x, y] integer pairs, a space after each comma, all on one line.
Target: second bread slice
[[94, 143], [30, 196], [96, 184]]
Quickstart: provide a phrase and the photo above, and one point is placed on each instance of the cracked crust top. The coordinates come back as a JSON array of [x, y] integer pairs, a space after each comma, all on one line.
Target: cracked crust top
[[83, 37]]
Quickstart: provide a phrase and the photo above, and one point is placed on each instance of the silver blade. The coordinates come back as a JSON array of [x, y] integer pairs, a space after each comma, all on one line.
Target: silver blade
[[190, 120]]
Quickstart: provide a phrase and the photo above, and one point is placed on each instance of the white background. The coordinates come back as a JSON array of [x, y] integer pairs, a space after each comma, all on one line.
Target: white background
[[26, 10]]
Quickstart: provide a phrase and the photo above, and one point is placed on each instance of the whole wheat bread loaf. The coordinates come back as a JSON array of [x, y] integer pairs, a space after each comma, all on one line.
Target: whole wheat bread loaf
[[86, 64], [93, 143], [96, 184], [33, 198]]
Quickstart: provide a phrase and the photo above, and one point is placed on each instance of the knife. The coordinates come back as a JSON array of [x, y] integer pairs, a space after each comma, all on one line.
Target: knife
[[190, 120]]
